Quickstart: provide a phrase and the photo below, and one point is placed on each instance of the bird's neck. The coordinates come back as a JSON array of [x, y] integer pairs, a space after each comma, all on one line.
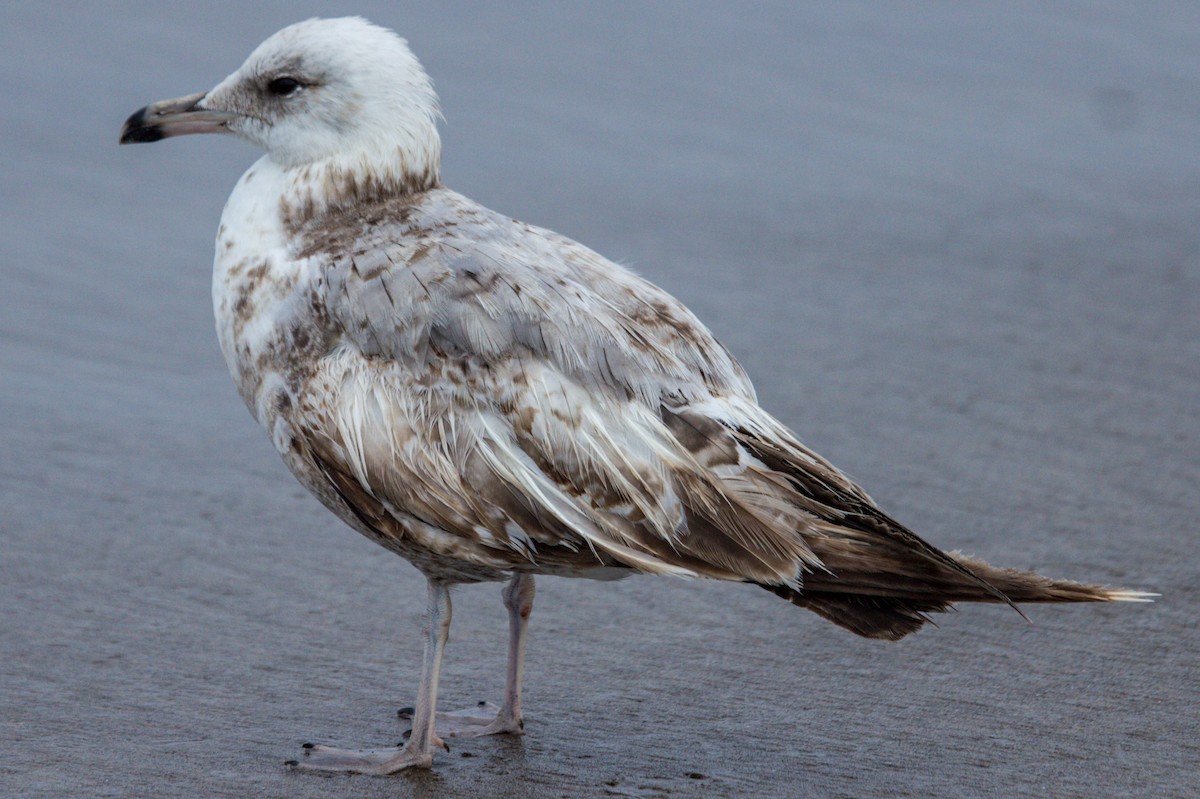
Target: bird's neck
[[352, 179]]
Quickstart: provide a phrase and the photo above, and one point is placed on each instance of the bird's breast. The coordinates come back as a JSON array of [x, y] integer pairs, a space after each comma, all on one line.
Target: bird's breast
[[268, 314]]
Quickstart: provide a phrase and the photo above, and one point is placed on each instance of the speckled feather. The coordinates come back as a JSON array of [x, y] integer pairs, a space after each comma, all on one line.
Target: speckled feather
[[486, 397], [494, 401]]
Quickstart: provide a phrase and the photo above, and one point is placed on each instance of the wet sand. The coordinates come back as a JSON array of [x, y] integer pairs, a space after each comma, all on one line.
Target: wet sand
[[957, 250]]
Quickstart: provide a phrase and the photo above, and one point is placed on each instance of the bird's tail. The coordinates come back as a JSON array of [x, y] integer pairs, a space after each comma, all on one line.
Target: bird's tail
[[1024, 586], [894, 601]]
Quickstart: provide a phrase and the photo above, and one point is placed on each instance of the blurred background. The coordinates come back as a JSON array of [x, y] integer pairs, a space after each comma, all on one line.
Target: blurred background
[[955, 244]]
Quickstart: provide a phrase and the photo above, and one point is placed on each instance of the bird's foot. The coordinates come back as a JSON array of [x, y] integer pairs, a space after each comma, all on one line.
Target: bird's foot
[[473, 722], [389, 760]]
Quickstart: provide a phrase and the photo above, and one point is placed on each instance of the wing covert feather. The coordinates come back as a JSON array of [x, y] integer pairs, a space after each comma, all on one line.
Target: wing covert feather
[[449, 278], [520, 393]]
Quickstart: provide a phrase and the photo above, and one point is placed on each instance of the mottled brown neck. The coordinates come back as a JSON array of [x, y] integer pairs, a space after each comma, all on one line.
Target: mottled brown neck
[[320, 189], [336, 233]]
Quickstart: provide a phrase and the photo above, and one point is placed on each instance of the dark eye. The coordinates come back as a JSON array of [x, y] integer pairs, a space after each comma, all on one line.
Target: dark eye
[[282, 87]]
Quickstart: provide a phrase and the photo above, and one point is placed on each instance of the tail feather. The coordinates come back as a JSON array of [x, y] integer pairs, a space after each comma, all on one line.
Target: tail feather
[[889, 606], [1024, 586], [874, 576], [885, 618]]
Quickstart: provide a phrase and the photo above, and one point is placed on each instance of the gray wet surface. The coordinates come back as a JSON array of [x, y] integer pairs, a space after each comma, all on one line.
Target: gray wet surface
[[957, 248]]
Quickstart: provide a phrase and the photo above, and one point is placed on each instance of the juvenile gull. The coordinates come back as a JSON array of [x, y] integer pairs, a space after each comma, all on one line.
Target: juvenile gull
[[491, 400]]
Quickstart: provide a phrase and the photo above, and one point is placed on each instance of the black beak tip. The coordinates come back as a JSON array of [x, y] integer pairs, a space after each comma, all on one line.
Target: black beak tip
[[136, 131]]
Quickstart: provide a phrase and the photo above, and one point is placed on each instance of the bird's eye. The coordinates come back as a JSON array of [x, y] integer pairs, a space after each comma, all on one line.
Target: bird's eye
[[282, 87]]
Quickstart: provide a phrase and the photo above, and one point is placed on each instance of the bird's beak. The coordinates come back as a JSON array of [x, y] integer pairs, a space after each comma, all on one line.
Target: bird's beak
[[177, 117]]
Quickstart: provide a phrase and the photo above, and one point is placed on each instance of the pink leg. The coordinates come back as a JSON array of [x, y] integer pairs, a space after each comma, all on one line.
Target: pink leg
[[418, 751], [486, 718]]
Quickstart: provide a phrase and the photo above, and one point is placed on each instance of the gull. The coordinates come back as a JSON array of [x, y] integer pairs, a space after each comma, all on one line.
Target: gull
[[492, 400]]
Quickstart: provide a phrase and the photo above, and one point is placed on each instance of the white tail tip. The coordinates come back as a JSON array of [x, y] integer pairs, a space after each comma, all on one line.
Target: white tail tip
[[1121, 595]]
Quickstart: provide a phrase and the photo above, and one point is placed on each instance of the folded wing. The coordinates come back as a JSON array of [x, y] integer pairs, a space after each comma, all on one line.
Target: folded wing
[[537, 406]]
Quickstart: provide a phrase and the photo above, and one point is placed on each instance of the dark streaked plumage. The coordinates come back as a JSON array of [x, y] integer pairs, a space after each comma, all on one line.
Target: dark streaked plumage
[[492, 400]]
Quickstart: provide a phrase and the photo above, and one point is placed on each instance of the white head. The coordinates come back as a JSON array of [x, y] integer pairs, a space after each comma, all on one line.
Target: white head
[[341, 97]]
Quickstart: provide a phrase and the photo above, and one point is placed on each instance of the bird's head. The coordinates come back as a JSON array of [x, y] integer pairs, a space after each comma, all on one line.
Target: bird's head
[[338, 95]]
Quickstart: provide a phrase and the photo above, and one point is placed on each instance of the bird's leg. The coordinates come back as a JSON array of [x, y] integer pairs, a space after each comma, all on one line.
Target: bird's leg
[[417, 752], [486, 718], [518, 599]]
